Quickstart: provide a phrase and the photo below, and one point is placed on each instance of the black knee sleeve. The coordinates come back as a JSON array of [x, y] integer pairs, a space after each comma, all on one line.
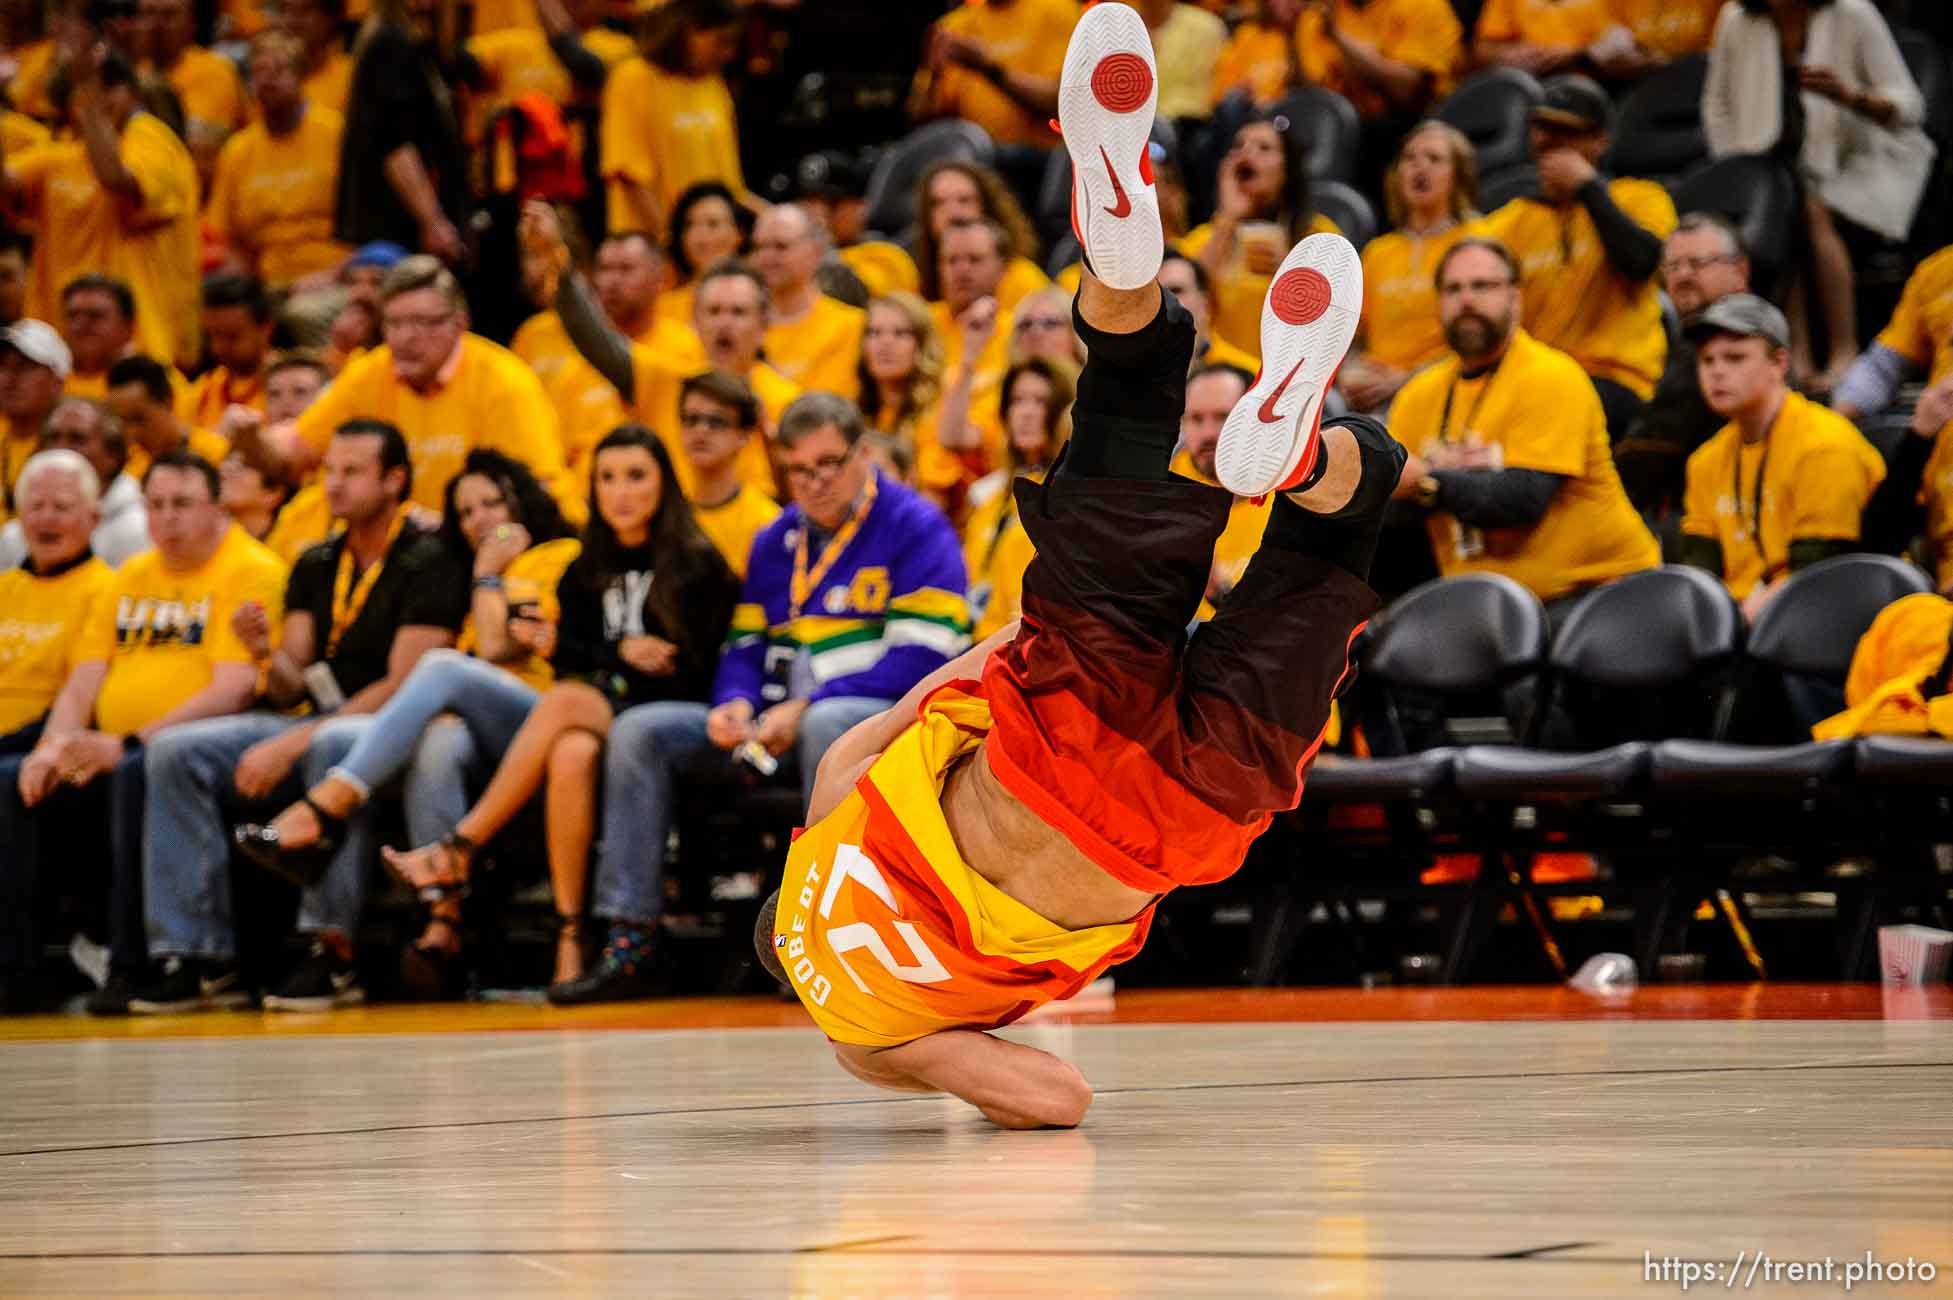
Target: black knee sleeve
[[1347, 537], [763, 948], [1131, 395]]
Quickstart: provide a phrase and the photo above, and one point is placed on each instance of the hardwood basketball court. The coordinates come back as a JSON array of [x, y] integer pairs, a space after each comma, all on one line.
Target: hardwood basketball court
[[1426, 1143]]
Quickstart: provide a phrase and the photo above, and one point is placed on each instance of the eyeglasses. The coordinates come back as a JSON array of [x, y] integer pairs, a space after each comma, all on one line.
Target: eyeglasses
[[707, 420], [405, 324], [820, 471], [1029, 323], [1694, 265]]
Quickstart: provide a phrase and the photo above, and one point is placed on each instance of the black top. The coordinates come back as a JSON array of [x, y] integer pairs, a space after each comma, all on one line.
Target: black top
[[397, 97], [421, 585], [599, 612]]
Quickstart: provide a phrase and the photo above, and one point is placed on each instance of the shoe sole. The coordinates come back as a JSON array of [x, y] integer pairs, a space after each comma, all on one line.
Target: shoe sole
[[328, 1002], [1106, 99], [1307, 323], [233, 1001]]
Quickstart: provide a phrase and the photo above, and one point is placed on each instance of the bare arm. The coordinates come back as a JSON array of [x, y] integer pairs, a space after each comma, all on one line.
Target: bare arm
[[851, 755], [285, 670], [76, 702], [103, 145]]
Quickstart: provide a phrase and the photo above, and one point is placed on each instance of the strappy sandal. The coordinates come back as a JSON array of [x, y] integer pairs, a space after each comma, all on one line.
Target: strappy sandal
[[569, 930], [304, 866], [436, 973], [453, 884]]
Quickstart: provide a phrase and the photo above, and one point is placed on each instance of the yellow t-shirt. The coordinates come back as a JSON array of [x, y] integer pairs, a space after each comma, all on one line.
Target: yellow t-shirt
[[668, 133], [1222, 353], [506, 15], [492, 400], [209, 88], [1257, 57], [1540, 409], [531, 579], [822, 349], [153, 249], [1238, 542], [938, 471], [1574, 300], [986, 387], [42, 622], [1422, 33], [996, 552], [1400, 297], [163, 634], [1670, 28], [272, 196], [15, 450], [676, 304], [587, 407], [19, 131], [1818, 474], [517, 61], [656, 402], [1022, 278], [884, 268], [1921, 328], [1238, 292], [329, 86], [1556, 24], [203, 403], [305, 521], [734, 524], [1185, 49], [1027, 36], [33, 70], [207, 443]]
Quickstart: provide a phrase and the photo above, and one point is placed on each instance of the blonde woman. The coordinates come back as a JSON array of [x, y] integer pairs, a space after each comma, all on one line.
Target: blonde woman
[[902, 392], [1431, 196]]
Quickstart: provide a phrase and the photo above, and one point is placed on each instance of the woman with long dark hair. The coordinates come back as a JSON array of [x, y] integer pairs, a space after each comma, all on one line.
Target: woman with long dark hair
[[644, 610], [708, 225], [1262, 209]]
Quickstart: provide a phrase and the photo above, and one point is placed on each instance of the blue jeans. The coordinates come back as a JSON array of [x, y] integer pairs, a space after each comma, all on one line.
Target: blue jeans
[[186, 837], [445, 728], [648, 747]]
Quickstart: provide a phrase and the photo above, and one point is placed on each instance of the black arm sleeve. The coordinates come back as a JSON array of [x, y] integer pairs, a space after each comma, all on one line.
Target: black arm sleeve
[[1631, 250], [1894, 516], [1497, 498], [1806, 551], [607, 350], [708, 606], [585, 68], [1702, 553], [581, 646]]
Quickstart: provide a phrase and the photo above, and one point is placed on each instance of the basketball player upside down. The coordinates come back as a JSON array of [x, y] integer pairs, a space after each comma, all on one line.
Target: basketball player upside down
[[1002, 835]]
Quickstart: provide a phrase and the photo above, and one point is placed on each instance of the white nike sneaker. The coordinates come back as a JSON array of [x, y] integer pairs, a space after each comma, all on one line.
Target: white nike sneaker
[[1307, 322], [1106, 98]]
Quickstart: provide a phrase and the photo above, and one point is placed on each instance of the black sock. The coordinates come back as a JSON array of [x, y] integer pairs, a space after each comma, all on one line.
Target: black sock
[[1346, 538], [1131, 394]]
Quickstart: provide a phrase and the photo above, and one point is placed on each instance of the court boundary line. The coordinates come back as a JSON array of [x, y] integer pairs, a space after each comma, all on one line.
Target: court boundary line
[[935, 1098]]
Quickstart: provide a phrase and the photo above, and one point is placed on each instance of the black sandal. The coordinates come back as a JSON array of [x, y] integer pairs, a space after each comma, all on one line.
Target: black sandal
[[437, 973], [304, 866], [454, 885]]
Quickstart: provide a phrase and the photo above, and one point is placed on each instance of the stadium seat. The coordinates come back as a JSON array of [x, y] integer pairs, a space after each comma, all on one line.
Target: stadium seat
[[1491, 109], [1814, 624], [891, 188], [1332, 128], [1350, 211], [1641, 659], [1757, 195], [1053, 214], [1658, 130], [1929, 66], [1501, 188]]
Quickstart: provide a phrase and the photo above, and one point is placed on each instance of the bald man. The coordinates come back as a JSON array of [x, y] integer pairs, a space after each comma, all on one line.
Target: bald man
[[811, 338]]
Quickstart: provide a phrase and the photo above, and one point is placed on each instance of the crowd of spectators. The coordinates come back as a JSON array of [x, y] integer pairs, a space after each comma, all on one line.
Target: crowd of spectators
[[410, 405]]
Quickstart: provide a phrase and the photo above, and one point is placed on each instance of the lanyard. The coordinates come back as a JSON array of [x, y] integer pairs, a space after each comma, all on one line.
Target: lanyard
[[804, 582], [1451, 395], [349, 598], [1752, 527]]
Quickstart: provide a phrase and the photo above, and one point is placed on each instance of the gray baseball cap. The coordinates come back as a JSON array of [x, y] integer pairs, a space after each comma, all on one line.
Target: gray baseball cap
[[40, 343], [1744, 314]]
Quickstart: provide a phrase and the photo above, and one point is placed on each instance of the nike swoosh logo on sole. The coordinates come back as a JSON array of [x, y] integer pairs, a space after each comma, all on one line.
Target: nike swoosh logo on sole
[[1267, 414], [1123, 208]]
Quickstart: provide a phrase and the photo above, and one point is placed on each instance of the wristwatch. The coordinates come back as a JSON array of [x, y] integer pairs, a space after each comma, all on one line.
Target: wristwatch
[[1427, 491]]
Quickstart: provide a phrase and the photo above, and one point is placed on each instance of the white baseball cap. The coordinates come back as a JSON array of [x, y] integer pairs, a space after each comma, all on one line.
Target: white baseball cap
[[40, 343]]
